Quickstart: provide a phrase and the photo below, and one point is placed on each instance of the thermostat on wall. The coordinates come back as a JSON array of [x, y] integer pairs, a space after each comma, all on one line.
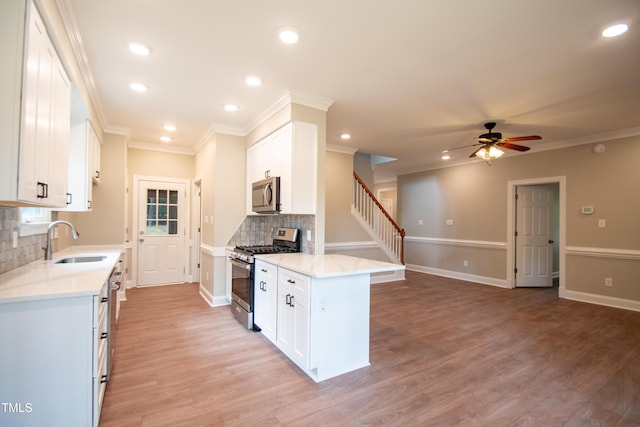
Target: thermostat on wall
[[586, 210]]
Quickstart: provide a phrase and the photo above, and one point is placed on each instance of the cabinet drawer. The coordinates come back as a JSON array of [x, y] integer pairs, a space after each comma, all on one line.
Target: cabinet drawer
[[299, 282], [268, 271]]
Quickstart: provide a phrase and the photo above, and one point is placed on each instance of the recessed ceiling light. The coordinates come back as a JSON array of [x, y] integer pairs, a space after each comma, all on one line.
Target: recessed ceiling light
[[615, 30], [446, 157], [170, 128], [345, 136], [138, 87], [231, 107], [139, 49], [165, 139], [253, 81], [288, 36]]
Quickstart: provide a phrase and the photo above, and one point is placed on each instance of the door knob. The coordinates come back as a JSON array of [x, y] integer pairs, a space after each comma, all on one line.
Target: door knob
[[550, 241], [141, 240]]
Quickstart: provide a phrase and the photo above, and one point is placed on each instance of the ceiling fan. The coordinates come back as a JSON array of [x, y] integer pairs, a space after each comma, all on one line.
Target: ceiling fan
[[490, 143]]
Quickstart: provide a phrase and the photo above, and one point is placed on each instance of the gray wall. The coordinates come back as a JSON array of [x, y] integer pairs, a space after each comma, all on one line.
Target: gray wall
[[475, 197]]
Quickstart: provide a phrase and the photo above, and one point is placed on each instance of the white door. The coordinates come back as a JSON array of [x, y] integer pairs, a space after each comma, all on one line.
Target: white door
[[534, 236], [161, 232]]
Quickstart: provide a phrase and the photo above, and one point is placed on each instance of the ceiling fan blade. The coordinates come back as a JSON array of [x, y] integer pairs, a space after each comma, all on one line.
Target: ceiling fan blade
[[522, 138], [512, 146], [464, 146]]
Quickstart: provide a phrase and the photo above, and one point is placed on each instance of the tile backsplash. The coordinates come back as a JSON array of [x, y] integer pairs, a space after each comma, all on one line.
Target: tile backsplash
[[257, 229], [29, 248]]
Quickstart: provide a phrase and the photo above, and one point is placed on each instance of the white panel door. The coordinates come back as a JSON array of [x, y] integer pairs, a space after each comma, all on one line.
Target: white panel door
[[534, 239], [161, 232]]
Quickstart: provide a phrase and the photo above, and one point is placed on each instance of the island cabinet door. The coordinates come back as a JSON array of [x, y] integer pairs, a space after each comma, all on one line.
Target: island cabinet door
[[293, 317]]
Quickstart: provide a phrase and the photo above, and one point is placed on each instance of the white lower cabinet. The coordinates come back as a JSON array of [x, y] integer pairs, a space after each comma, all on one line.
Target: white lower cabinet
[[321, 324], [293, 316], [53, 364], [265, 298]]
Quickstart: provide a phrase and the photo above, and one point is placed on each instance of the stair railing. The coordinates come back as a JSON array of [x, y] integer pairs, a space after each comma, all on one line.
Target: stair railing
[[371, 212]]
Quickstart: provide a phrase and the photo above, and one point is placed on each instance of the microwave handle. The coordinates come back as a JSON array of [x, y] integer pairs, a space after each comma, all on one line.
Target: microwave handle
[[268, 194]]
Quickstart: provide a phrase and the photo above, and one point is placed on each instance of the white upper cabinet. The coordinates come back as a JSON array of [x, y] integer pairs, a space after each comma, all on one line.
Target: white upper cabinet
[[291, 153], [83, 141], [34, 111]]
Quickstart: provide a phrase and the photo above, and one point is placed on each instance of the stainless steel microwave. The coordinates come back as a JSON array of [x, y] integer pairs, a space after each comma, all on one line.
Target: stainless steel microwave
[[266, 195]]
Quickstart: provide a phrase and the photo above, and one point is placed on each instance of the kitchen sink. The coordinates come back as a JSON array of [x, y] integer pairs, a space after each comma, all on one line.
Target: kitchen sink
[[75, 259]]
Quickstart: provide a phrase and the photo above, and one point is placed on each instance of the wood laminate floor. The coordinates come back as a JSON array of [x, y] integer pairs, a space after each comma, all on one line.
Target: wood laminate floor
[[443, 353]]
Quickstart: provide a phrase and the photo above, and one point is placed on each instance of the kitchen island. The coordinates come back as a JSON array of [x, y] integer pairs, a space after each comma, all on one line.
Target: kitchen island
[[315, 309], [55, 333]]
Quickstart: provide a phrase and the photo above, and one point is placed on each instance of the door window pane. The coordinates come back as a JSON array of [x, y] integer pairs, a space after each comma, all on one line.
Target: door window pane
[[162, 205]]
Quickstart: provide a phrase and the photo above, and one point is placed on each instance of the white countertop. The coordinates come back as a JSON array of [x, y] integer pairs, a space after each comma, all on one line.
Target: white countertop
[[331, 265], [45, 279]]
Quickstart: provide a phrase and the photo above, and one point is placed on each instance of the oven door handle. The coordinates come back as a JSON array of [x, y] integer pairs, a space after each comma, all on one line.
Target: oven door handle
[[240, 264]]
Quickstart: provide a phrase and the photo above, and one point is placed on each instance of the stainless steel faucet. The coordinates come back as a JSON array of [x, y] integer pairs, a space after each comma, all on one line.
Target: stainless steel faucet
[[48, 250]]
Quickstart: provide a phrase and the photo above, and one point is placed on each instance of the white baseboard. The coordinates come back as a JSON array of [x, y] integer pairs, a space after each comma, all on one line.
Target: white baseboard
[[387, 276], [600, 300], [614, 302], [211, 300], [220, 301], [492, 281], [206, 295]]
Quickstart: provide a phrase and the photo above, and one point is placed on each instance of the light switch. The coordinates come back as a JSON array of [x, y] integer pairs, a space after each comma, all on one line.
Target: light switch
[[602, 223], [308, 235], [420, 222], [448, 221], [15, 239]]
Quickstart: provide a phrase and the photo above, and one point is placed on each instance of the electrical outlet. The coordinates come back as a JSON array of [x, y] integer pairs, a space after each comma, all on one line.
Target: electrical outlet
[[420, 222], [308, 235], [448, 221], [602, 223], [608, 281], [15, 239], [465, 263]]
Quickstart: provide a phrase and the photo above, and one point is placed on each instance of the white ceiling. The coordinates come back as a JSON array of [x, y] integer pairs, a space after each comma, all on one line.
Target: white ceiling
[[407, 78]]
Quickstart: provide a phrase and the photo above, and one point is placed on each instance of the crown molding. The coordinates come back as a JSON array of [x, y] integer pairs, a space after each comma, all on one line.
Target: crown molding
[[117, 130], [289, 97], [150, 146], [341, 149], [309, 100], [77, 46]]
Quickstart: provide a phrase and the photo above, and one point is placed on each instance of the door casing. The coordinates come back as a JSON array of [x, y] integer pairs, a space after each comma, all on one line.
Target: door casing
[[135, 215], [511, 225]]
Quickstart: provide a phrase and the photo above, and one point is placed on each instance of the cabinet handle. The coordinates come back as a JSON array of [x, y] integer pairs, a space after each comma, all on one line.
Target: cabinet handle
[[103, 379], [43, 190], [69, 198], [291, 281], [291, 301], [97, 174], [104, 335], [104, 299], [264, 270]]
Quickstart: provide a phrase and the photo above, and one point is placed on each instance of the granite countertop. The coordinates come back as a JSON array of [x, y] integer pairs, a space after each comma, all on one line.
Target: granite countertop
[[331, 265], [46, 280]]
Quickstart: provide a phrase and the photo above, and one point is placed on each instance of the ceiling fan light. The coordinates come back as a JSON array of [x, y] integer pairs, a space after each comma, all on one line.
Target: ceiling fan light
[[495, 152], [492, 152]]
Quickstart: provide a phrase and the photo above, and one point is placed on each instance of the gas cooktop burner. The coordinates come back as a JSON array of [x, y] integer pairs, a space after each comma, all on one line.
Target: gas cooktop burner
[[265, 249]]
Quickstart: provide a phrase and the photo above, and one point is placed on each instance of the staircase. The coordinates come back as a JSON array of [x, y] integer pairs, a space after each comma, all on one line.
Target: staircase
[[376, 221]]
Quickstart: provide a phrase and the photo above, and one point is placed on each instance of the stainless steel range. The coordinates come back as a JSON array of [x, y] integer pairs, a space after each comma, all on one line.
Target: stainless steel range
[[286, 240]]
